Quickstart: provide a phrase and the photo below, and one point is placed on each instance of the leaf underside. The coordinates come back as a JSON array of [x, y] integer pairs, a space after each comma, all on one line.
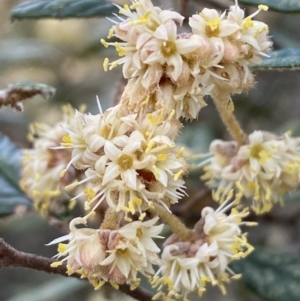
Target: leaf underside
[[273, 275], [61, 9]]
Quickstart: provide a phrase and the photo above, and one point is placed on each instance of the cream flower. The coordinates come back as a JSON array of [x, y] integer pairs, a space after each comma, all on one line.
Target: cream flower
[[144, 21], [166, 48], [82, 156], [209, 23], [136, 163], [110, 255], [215, 241], [263, 169], [252, 38], [42, 166]]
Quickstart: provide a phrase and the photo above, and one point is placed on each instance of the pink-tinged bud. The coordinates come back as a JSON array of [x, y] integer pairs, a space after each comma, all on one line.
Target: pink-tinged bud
[[231, 52], [204, 50]]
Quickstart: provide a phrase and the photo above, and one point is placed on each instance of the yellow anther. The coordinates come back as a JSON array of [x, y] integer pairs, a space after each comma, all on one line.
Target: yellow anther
[[89, 192], [247, 23], [153, 120], [149, 147], [72, 204], [136, 5], [135, 285], [56, 264], [87, 205], [150, 205], [158, 295], [120, 49], [180, 153], [69, 270], [162, 157], [263, 7], [142, 216], [104, 43], [178, 175], [67, 139], [109, 36], [113, 65], [62, 173], [99, 285], [213, 24], [105, 64], [61, 248], [114, 284]]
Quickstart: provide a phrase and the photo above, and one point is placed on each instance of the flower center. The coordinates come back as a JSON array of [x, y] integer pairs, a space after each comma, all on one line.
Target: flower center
[[255, 151], [168, 48], [125, 162], [212, 28], [121, 252]]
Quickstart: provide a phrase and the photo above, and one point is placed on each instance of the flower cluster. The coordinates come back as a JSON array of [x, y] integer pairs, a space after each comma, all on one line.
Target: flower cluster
[[175, 71], [110, 255], [126, 158], [263, 169], [215, 241], [129, 161], [43, 164]]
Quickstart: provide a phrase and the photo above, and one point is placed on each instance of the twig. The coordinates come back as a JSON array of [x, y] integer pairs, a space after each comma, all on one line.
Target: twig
[[184, 7], [10, 257]]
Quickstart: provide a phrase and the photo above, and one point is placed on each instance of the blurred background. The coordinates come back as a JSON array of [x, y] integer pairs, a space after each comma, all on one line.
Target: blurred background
[[68, 55]]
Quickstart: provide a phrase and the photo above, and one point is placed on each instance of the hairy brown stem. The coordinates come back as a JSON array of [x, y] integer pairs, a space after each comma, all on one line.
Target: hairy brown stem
[[10, 257], [225, 109]]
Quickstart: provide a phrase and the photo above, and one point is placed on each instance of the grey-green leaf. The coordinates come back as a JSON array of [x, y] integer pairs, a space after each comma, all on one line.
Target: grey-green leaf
[[10, 193], [282, 59], [285, 6], [273, 275], [61, 9]]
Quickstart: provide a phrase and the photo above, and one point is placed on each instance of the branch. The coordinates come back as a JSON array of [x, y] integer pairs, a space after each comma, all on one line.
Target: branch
[[10, 257]]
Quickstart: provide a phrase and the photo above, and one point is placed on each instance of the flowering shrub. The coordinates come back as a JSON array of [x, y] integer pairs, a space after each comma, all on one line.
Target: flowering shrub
[[126, 161]]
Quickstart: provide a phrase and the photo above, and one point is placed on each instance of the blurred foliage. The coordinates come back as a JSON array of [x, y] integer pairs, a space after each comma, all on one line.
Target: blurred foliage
[[11, 195], [285, 6], [285, 58], [273, 275], [60, 9]]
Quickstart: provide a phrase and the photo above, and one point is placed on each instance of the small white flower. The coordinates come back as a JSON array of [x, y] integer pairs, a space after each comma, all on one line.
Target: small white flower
[[215, 241], [42, 167], [263, 169], [209, 23], [110, 255]]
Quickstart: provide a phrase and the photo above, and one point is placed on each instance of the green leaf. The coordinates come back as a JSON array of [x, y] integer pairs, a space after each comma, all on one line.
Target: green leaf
[[282, 59], [273, 275], [61, 9], [285, 6], [10, 193]]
